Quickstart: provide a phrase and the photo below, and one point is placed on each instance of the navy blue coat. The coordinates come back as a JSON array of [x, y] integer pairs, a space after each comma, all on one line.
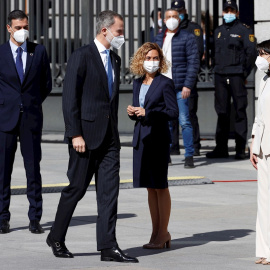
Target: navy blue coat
[[160, 106], [151, 139], [185, 58], [36, 85]]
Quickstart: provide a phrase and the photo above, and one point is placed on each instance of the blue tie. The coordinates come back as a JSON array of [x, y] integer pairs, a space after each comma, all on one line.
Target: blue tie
[[19, 63], [109, 72]]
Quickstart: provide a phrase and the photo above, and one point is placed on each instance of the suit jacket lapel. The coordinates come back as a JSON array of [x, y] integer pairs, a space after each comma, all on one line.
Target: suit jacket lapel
[[116, 71], [7, 55], [100, 66], [263, 84], [29, 59], [151, 89]]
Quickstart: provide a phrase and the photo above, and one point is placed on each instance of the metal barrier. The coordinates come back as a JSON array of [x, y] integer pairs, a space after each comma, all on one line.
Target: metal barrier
[[64, 25]]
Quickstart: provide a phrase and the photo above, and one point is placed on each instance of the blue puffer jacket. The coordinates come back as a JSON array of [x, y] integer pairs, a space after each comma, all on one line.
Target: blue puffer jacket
[[185, 58]]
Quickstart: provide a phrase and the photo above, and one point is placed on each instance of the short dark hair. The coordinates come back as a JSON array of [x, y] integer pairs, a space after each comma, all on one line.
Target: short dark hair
[[153, 12], [106, 19], [16, 15], [264, 47]]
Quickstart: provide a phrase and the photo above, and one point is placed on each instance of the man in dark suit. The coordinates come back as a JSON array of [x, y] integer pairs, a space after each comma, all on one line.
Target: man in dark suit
[[25, 82], [90, 107]]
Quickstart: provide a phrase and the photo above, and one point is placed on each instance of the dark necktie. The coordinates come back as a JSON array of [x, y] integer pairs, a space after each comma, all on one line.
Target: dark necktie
[[109, 72], [19, 63]]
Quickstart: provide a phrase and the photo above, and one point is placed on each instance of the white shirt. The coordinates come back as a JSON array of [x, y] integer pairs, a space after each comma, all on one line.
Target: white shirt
[[102, 51], [167, 50], [14, 53]]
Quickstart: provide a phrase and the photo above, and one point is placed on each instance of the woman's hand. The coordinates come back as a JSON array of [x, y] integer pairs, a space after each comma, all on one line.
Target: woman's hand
[[253, 158], [139, 111], [130, 110]]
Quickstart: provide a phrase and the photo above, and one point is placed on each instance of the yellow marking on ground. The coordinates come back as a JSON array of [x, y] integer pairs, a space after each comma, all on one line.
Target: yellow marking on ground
[[121, 181]]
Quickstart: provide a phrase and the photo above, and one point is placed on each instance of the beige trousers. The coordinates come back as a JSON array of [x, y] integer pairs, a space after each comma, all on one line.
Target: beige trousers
[[263, 210]]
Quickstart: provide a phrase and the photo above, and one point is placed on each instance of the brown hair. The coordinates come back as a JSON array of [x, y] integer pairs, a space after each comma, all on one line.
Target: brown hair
[[136, 62]]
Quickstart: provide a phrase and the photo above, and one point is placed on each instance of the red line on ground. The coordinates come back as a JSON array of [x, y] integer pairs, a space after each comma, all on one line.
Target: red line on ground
[[233, 181]]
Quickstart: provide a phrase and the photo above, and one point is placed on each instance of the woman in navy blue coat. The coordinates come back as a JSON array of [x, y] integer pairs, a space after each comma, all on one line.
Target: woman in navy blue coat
[[154, 104]]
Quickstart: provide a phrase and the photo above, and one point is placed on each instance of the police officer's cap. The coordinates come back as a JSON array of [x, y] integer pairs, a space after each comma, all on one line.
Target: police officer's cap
[[180, 4], [231, 4]]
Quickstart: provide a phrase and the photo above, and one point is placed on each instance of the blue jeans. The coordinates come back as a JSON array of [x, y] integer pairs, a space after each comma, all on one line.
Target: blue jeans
[[184, 121]]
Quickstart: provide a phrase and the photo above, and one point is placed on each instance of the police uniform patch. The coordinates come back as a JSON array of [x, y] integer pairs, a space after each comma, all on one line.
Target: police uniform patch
[[197, 32], [251, 38], [219, 35]]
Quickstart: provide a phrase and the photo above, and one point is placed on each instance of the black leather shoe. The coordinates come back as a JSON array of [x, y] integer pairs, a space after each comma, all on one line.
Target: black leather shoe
[[59, 248], [217, 154], [240, 156], [4, 226], [189, 164], [196, 152], [35, 227], [175, 152], [116, 254]]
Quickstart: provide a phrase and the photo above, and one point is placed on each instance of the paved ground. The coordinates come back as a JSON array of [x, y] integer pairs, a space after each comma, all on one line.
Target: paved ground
[[212, 225]]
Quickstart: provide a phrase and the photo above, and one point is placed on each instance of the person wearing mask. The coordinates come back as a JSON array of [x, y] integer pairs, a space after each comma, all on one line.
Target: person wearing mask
[[181, 50], [90, 108], [154, 104], [259, 155], [210, 48], [152, 28], [25, 82], [196, 30], [235, 54]]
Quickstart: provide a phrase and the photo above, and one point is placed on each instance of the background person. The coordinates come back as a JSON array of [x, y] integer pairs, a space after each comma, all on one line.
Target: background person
[[235, 55], [154, 104], [196, 30], [259, 155], [25, 82], [152, 28], [181, 50], [90, 107]]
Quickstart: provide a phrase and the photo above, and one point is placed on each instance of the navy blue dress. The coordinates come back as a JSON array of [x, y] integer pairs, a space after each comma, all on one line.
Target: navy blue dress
[[151, 140]]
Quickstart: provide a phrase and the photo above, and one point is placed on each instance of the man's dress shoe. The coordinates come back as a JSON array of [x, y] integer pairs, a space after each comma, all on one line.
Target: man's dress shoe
[[116, 254], [217, 154], [35, 227], [4, 226], [59, 248]]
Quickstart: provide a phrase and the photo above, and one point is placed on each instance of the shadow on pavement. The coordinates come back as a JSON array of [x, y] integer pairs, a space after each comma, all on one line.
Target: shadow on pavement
[[195, 240], [200, 161], [76, 221]]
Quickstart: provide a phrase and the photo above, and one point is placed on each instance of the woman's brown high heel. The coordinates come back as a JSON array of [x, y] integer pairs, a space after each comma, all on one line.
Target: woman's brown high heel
[[151, 242], [164, 244]]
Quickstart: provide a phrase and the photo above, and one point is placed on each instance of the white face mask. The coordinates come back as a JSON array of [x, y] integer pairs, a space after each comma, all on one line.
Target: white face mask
[[21, 35], [160, 23], [262, 63], [172, 24], [116, 42], [151, 66]]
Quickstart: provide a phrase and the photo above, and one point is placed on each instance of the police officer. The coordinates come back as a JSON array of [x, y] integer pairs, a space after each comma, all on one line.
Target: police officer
[[235, 54], [195, 29]]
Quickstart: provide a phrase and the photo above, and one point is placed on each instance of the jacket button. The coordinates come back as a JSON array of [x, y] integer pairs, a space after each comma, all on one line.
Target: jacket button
[[107, 116]]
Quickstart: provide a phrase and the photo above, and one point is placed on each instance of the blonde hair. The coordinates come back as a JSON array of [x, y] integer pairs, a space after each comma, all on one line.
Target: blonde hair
[[136, 62]]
